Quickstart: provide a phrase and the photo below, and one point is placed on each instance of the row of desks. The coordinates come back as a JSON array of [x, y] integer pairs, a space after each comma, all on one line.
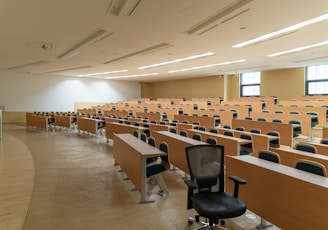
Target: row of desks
[[130, 153], [287, 197], [277, 192]]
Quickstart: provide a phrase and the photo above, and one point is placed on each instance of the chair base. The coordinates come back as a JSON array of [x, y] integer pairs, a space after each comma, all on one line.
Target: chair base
[[205, 224], [264, 224]]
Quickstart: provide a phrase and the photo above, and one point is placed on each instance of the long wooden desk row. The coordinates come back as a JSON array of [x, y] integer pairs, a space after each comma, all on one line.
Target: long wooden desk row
[[38, 121], [302, 103], [285, 118], [287, 197], [325, 132], [302, 110], [130, 153], [89, 125], [289, 156], [65, 121], [285, 130]]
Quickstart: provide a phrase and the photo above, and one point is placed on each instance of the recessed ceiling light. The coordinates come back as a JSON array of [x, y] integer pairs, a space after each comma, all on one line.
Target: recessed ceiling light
[[178, 60], [282, 31], [298, 49], [102, 73], [207, 66], [135, 75]]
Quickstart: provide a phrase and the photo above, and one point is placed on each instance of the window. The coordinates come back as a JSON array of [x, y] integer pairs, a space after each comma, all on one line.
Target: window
[[250, 84], [316, 80]]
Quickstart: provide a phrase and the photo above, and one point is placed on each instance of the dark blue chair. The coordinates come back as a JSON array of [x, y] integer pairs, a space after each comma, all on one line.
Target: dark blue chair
[[269, 156], [262, 119], [258, 131], [155, 170], [211, 141], [197, 137], [214, 131], [306, 147], [183, 133], [324, 141], [274, 143], [311, 167], [246, 149], [297, 129], [228, 133]]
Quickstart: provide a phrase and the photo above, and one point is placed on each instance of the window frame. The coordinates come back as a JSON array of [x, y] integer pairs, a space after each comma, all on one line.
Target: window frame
[[307, 82], [241, 86]]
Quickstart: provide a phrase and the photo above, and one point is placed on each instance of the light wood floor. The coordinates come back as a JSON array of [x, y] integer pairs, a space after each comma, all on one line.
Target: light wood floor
[[65, 180]]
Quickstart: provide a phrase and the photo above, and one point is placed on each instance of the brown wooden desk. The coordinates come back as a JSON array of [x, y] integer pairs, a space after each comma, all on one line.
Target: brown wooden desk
[[64, 121], [89, 125], [130, 153], [287, 197], [176, 145], [115, 127], [289, 156], [322, 148], [285, 130], [231, 144], [38, 121], [325, 132]]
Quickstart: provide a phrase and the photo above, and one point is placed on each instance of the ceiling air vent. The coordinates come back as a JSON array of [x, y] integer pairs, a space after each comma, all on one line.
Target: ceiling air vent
[[122, 7], [37, 63], [69, 69], [147, 50], [218, 15], [95, 37]]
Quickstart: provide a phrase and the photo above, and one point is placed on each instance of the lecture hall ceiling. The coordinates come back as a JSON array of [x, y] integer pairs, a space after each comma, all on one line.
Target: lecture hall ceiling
[[143, 40]]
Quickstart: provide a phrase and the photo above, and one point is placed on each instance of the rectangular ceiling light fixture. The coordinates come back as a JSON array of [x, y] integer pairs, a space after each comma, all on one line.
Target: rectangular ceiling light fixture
[[131, 76], [207, 66], [28, 64], [122, 7], [178, 60], [282, 31], [143, 51], [94, 37], [298, 49], [69, 69], [218, 15], [102, 73]]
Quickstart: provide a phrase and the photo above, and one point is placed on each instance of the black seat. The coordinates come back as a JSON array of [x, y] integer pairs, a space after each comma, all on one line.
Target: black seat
[[206, 191], [155, 170]]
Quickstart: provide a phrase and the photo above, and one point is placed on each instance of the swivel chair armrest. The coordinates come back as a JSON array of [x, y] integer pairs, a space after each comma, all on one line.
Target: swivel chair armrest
[[191, 184], [237, 181]]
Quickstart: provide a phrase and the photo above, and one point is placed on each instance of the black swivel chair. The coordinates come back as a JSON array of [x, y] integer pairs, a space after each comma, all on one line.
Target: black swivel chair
[[206, 186]]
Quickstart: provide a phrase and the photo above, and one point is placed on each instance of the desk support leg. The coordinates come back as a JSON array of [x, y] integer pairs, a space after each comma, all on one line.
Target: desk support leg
[[143, 198]]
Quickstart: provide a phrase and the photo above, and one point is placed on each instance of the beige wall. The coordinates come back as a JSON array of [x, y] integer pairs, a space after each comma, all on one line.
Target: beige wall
[[231, 89], [13, 117], [188, 88], [284, 83]]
